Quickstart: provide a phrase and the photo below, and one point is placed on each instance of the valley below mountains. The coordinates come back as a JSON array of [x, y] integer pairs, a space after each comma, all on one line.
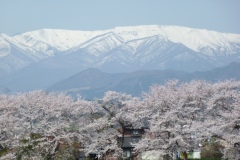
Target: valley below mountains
[[126, 59]]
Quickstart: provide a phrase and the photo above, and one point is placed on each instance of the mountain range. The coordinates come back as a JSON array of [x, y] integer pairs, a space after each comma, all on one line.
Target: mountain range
[[93, 83], [39, 59]]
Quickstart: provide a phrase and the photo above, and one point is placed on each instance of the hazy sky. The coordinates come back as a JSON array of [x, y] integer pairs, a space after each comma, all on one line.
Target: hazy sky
[[17, 16]]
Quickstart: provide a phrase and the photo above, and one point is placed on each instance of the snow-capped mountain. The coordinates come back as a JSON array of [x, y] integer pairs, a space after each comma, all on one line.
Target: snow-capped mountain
[[54, 54], [15, 55], [137, 46]]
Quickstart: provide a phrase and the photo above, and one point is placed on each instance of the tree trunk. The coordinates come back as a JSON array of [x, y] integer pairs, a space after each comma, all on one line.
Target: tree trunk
[[185, 155]]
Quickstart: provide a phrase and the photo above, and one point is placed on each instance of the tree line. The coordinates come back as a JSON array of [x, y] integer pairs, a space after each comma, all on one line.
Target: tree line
[[179, 117]]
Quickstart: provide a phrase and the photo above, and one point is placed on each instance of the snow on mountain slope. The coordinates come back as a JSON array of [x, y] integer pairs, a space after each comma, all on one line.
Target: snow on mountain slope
[[51, 55], [15, 55], [133, 45], [59, 39], [100, 44], [195, 39], [28, 51], [4, 46]]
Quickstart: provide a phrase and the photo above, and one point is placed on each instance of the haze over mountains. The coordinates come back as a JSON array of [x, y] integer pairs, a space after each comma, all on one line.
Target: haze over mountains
[[39, 59], [93, 83]]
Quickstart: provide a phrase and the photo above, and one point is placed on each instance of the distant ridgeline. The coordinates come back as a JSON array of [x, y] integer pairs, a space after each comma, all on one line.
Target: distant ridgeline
[[93, 83], [39, 59]]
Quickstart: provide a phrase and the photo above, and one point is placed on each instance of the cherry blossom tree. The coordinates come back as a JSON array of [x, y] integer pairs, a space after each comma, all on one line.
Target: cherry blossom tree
[[182, 116], [224, 115], [37, 123], [117, 111], [7, 120]]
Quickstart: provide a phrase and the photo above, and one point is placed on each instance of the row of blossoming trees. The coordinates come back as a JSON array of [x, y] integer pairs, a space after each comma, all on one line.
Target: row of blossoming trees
[[40, 125]]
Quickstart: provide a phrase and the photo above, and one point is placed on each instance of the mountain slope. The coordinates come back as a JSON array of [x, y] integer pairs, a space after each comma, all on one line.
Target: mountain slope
[[39, 59], [90, 81], [14, 55], [93, 83], [133, 42]]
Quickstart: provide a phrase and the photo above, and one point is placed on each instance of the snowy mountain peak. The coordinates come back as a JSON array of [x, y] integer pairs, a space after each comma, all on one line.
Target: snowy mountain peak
[[195, 39], [146, 46], [59, 39]]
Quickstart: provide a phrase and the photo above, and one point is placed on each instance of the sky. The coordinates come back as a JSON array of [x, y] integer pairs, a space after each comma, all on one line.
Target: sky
[[19, 16]]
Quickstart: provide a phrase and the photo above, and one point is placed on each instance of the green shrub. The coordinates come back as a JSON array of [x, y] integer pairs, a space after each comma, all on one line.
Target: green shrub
[[3, 151], [211, 151]]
